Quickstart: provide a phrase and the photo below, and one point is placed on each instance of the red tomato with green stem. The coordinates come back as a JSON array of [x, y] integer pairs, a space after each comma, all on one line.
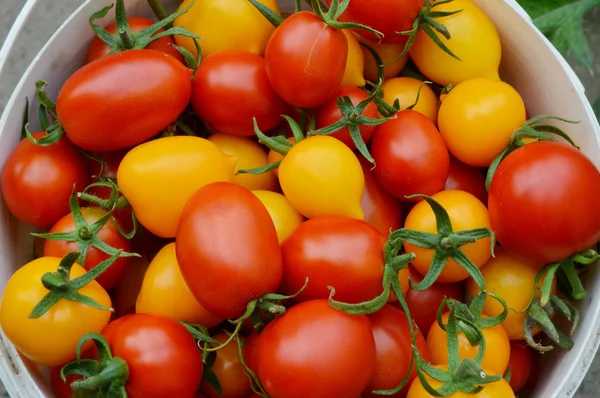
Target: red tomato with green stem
[[463, 177], [59, 387], [520, 364]]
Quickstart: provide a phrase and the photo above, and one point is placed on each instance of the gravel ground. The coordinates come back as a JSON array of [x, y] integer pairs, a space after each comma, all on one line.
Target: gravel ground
[[50, 14]]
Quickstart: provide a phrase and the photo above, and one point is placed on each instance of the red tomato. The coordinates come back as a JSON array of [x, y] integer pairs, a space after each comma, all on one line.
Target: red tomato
[[410, 156], [99, 49], [229, 371], [381, 209], [543, 202], [156, 348], [316, 351], [250, 349], [394, 352], [341, 252], [520, 363], [306, 60], [60, 388], [231, 88], [466, 178], [227, 249], [123, 99], [330, 113], [37, 181]]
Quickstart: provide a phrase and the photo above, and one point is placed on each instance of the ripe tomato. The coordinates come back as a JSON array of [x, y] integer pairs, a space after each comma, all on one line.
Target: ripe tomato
[[466, 212], [109, 234], [226, 25], [50, 340], [99, 49], [355, 65], [143, 91], [520, 364], [158, 178], [156, 348], [283, 214], [302, 355], [60, 388], [230, 372], [37, 181], [164, 292], [330, 113], [394, 351], [250, 155], [387, 53], [475, 41], [477, 119], [230, 88], [497, 346], [274, 157], [405, 90], [309, 71], [466, 178], [227, 249], [410, 156], [125, 294], [542, 202]]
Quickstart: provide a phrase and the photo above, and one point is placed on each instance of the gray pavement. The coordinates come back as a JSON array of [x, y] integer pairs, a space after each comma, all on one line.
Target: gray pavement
[[50, 14]]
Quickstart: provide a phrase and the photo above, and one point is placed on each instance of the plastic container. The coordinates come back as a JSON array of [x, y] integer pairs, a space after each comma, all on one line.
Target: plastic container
[[530, 63]]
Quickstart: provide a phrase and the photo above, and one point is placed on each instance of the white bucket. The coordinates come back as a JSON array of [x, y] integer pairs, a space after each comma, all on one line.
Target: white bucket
[[530, 63]]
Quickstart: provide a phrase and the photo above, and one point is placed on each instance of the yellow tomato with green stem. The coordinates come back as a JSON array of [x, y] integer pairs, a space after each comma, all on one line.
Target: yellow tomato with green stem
[[406, 90], [283, 214], [390, 58]]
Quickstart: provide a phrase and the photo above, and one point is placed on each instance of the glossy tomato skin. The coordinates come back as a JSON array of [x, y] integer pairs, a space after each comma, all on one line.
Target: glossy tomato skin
[[406, 90], [410, 156], [306, 60], [283, 214], [37, 181], [466, 178], [520, 364], [99, 49], [143, 91], [542, 202], [227, 249], [316, 351], [156, 348], [341, 252], [229, 371], [230, 88]]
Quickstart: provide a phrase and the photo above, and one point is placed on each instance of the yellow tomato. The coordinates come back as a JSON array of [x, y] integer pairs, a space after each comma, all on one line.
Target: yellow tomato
[[250, 155], [283, 214], [475, 41], [273, 156], [405, 90], [226, 25], [477, 119], [355, 65], [159, 176], [388, 53], [321, 176], [164, 292], [51, 339], [466, 212]]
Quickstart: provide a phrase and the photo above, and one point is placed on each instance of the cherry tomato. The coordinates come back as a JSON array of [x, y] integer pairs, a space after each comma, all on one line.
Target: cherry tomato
[[355, 65], [410, 156], [542, 202], [302, 355], [227, 249], [60, 388], [520, 364], [229, 372], [143, 91], [274, 157], [387, 53], [466, 178], [125, 294], [309, 71], [405, 90], [283, 214], [37, 181]]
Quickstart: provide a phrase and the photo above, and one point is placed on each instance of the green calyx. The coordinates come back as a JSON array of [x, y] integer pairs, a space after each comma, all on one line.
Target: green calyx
[[48, 118], [330, 16]]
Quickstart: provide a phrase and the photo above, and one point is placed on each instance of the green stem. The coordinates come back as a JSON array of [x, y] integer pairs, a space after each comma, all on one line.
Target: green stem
[[159, 10], [127, 41]]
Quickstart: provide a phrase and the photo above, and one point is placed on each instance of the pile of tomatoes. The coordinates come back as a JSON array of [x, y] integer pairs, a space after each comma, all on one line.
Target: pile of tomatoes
[[348, 202]]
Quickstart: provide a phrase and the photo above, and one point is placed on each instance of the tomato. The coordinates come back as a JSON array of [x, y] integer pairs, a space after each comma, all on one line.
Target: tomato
[[143, 91], [51, 339], [225, 25], [227, 249], [306, 60], [405, 90], [330, 113], [410, 156], [230, 88], [37, 181], [274, 157], [164, 292], [60, 388], [321, 176], [156, 348], [158, 178], [283, 214], [542, 202], [497, 346], [125, 294], [520, 364], [229, 372], [387, 53], [355, 65], [466, 178], [466, 212], [475, 41], [301, 354], [394, 351], [99, 49], [109, 234], [477, 119], [424, 304]]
